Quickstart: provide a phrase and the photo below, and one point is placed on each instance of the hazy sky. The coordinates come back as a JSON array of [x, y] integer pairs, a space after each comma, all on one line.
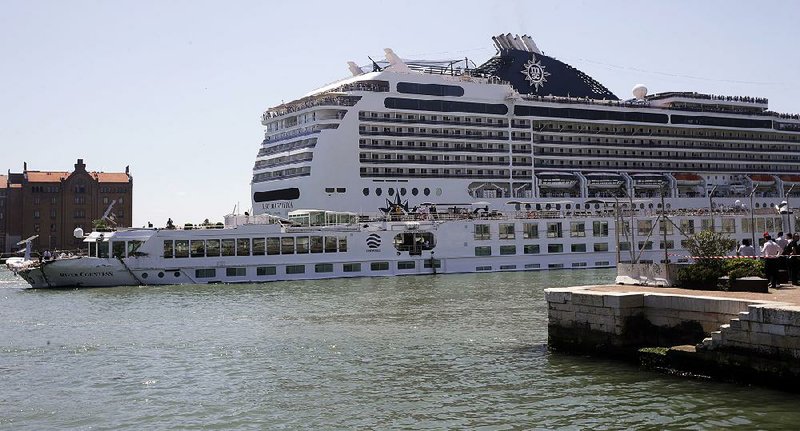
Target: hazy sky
[[175, 89]]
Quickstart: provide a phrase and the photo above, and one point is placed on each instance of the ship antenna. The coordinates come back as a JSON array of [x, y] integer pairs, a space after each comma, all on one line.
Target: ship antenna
[[375, 67]]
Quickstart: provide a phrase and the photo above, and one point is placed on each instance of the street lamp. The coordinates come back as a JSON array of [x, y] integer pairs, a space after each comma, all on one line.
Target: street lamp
[[752, 219]]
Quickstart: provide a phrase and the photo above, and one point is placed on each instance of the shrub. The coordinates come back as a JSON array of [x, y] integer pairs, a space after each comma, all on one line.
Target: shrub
[[699, 276], [738, 268]]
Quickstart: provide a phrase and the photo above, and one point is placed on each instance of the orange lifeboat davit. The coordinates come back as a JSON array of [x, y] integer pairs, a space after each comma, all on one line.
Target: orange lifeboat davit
[[604, 180], [790, 180], [687, 179], [556, 180], [762, 179]]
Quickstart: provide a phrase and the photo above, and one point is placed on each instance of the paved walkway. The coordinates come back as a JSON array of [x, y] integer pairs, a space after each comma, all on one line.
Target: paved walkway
[[785, 293]]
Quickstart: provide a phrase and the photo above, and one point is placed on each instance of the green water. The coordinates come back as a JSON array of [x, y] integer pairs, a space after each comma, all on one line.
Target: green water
[[428, 352]]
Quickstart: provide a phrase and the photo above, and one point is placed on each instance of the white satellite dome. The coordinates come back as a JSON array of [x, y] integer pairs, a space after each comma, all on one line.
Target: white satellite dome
[[639, 91], [77, 233]]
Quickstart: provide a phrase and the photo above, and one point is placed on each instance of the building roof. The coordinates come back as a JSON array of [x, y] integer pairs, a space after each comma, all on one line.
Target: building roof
[[58, 176], [110, 177], [46, 176]]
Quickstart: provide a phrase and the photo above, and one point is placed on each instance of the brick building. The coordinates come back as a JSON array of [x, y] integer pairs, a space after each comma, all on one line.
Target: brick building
[[52, 204]]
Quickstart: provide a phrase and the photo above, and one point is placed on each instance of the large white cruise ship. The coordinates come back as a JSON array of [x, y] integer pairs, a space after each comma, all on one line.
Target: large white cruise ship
[[521, 163]]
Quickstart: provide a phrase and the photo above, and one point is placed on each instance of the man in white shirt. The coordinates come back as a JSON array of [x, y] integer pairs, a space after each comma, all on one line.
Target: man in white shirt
[[782, 240], [770, 251]]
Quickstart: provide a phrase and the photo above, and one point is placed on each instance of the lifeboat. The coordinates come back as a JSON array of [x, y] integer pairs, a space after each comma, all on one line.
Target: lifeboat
[[687, 179], [556, 180], [604, 180], [648, 181], [762, 179], [790, 180]]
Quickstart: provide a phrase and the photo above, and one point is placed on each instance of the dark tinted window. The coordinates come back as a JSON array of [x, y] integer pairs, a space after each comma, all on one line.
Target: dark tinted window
[[591, 114], [721, 121], [430, 89], [445, 106]]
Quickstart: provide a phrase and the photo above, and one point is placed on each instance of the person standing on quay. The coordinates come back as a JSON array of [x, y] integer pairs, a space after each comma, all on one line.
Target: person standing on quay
[[771, 251]]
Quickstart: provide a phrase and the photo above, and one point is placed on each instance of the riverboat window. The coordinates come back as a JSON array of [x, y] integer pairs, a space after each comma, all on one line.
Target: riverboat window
[[646, 245], [330, 244], [414, 242], [531, 249], [198, 248], [554, 230], [577, 229], [295, 269], [243, 246], [406, 264], [706, 223], [483, 268], [118, 249], [379, 266], [600, 228], [266, 270], [578, 248], [432, 263], [644, 227], [228, 247], [482, 232], [205, 273], [507, 231], [133, 246], [342, 243], [212, 248], [316, 244], [555, 265], [555, 248], [601, 246], [624, 246], [483, 250], [273, 245], [92, 248], [530, 230], [665, 225], [168, 253], [287, 245], [181, 248], [578, 264], [729, 225], [532, 266], [302, 244], [351, 267], [259, 246], [668, 244], [323, 267], [508, 249], [687, 226], [236, 272]]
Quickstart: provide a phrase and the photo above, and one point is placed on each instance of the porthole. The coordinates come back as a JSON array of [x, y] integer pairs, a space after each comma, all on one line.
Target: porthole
[[365, 191], [597, 206], [438, 191], [426, 191], [160, 275], [391, 192], [402, 191], [414, 191], [177, 274], [527, 206], [378, 191], [568, 206], [144, 275]]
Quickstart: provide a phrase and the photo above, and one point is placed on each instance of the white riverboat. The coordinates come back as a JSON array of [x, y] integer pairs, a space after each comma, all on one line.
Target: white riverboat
[[520, 163]]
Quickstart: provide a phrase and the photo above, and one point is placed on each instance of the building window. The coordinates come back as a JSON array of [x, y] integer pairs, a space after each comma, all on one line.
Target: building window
[[645, 245], [687, 226], [555, 248], [36, 214], [644, 227], [601, 246]]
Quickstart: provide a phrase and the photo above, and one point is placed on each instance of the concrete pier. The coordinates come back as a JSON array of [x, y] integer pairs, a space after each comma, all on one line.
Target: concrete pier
[[738, 336]]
